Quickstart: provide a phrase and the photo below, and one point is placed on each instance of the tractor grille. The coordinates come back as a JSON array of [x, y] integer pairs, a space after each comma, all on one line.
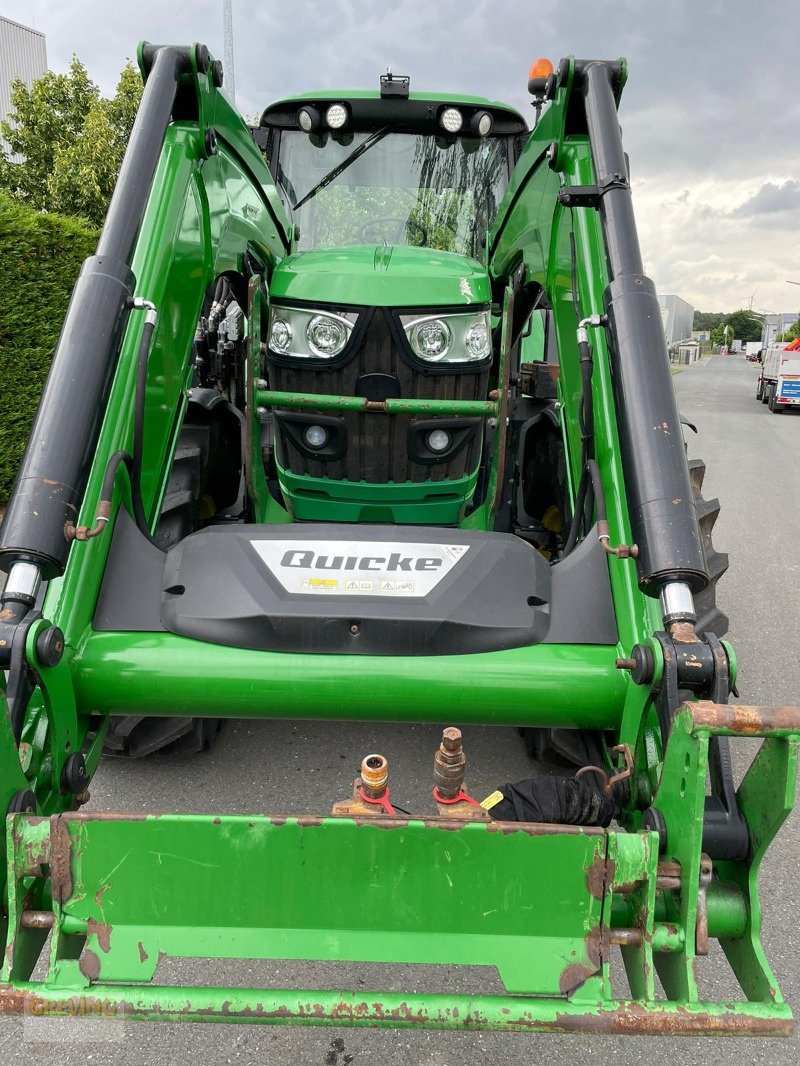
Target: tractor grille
[[377, 444]]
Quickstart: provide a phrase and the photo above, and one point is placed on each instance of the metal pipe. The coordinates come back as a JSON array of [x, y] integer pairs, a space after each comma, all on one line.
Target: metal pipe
[[132, 190], [309, 401], [124, 673], [22, 583], [412, 1010], [677, 603], [61, 449], [659, 492]]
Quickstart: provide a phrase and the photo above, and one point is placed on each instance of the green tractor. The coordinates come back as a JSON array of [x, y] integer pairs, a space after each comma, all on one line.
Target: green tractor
[[366, 414]]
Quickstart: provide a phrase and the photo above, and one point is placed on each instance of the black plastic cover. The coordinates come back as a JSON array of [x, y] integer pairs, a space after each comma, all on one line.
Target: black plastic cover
[[489, 591], [578, 607]]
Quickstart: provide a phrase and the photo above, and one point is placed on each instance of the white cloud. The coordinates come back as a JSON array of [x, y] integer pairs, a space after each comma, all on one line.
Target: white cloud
[[710, 113]]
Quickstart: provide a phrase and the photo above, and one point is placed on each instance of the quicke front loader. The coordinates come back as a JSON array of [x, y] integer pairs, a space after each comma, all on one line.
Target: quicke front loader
[[366, 414]]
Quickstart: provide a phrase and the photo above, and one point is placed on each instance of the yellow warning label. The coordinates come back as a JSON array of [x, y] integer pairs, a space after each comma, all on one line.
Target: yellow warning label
[[492, 801], [321, 583]]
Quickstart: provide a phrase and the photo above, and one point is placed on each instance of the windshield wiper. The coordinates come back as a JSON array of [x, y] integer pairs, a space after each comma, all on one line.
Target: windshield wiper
[[345, 163]]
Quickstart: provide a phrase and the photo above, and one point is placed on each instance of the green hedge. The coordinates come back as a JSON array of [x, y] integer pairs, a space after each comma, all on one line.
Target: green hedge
[[40, 256]]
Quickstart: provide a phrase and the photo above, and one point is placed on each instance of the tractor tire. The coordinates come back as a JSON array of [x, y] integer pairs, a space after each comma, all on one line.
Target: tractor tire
[[560, 748], [132, 736]]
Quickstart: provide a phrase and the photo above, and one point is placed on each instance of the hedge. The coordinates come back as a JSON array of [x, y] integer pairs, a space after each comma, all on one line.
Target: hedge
[[40, 257]]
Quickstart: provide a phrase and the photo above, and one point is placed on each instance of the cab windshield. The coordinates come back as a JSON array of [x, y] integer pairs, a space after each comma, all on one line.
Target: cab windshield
[[392, 188]]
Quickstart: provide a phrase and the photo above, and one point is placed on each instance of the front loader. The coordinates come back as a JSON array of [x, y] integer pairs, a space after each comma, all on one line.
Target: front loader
[[366, 414]]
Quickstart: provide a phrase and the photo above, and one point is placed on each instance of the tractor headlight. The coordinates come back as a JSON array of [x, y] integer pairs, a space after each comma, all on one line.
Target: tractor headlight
[[449, 338], [309, 333], [336, 116]]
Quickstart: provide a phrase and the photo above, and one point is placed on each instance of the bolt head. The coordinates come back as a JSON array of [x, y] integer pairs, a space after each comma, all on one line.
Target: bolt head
[[451, 738]]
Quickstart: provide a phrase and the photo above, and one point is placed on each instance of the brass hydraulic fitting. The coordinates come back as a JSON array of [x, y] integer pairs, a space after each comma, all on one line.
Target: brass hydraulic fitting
[[374, 775], [449, 764]]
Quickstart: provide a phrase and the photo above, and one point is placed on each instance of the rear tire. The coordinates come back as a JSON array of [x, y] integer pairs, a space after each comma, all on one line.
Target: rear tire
[[760, 389], [578, 747], [774, 406], [132, 736]]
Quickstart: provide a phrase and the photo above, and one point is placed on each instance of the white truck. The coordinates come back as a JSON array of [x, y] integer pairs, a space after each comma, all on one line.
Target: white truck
[[751, 350], [779, 382]]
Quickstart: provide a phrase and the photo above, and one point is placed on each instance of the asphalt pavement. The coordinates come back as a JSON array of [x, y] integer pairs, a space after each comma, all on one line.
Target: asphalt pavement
[[752, 465]]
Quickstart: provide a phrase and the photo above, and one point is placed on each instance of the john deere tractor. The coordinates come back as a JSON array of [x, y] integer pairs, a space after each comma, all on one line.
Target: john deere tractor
[[366, 414]]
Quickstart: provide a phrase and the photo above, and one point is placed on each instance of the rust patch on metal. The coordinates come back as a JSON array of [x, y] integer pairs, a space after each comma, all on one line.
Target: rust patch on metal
[[60, 860], [217, 821], [683, 633], [143, 956], [6, 615], [743, 718], [89, 964], [102, 930], [599, 873], [573, 977], [98, 896], [310, 821]]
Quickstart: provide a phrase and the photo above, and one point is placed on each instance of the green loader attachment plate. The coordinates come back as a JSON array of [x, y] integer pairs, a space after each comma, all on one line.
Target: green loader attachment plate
[[543, 904]]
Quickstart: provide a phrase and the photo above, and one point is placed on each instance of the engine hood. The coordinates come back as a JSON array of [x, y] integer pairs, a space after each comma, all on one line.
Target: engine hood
[[381, 276]]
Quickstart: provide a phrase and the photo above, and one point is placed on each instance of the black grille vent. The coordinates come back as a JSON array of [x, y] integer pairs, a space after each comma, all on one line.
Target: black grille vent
[[377, 444]]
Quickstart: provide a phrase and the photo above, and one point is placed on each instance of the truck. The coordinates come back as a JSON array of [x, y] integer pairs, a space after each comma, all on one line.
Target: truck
[[752, 350], [779, 381], [366, 414]]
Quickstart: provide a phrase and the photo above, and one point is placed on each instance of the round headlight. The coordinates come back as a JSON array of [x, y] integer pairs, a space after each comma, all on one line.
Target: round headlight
[[315, 436], [482, 123], [326, 336], [452, 119], [477, 341], [438, 440], [336, 116], [308, 119], [431, 340], [280, 335]]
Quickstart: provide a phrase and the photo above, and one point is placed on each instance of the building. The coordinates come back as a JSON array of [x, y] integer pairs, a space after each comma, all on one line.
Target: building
[[678, 317], [23, 54], [775, 324]]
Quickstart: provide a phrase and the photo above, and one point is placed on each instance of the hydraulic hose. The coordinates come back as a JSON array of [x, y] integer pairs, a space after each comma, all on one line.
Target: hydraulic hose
[[556, 801]]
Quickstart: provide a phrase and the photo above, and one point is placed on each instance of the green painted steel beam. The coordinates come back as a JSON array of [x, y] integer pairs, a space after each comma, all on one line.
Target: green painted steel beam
[[547, 684], [399, 1010], [312, 401]]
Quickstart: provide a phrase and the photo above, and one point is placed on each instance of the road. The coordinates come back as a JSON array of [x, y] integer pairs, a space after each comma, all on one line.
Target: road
[[752, 465]]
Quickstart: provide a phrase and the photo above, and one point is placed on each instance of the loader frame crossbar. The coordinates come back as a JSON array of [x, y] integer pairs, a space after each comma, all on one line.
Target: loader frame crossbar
[[118, 892]]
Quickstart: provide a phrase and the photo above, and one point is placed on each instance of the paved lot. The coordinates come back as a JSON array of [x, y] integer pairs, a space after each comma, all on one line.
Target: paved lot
[[753, 467]]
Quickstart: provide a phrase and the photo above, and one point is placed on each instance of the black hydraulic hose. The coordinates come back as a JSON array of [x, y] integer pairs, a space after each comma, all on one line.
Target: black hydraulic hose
[[582, 502], [591, 497], [138, 430], [557, 801]]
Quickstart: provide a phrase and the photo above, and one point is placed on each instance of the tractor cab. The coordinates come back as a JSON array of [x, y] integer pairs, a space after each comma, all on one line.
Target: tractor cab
[[385, 298]]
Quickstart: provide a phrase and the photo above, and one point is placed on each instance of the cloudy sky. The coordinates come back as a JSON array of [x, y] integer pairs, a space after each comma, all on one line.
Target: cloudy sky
[[710, 115]]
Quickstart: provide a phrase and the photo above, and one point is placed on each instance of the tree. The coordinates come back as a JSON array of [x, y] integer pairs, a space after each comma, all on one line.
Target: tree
[[741, 325], [791, 334], [708, 319], [71, 141]]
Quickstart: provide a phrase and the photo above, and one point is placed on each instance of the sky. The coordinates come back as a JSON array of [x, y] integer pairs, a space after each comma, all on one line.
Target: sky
[[710, 114]]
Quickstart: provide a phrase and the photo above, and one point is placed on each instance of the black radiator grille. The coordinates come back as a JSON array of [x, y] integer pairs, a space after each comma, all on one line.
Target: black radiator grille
[[377, 444]]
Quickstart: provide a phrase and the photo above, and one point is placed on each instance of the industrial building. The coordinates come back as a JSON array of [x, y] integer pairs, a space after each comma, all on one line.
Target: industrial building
[[678, 318], [775, 324], [23, 54]]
